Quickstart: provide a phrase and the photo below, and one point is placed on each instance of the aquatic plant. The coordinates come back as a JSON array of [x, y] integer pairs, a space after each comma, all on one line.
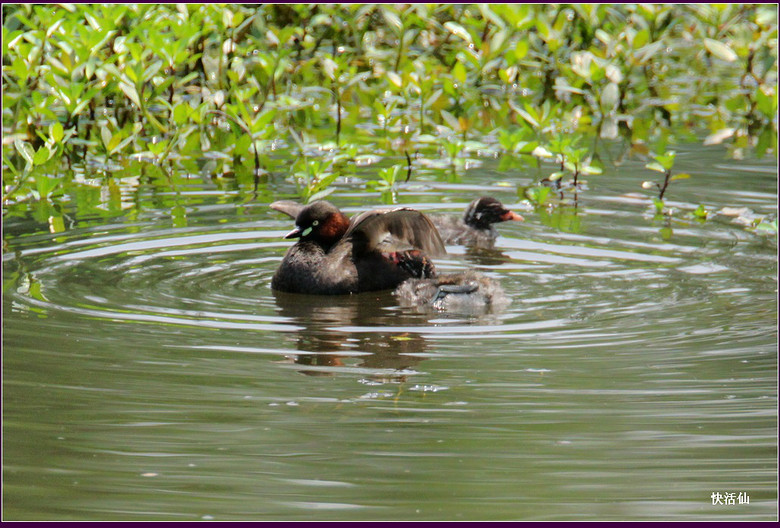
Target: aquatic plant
[[664, 163], [215, 91]]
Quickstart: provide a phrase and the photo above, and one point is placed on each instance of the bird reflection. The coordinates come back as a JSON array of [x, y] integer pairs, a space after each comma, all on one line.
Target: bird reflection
[[333, 333], [486, 256]]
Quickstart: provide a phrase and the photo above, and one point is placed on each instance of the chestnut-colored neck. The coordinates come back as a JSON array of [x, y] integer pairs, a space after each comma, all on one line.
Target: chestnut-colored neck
[[333, 229]]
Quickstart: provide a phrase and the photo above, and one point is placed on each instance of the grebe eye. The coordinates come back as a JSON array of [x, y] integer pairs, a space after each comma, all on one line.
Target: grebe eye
[[315, 223]]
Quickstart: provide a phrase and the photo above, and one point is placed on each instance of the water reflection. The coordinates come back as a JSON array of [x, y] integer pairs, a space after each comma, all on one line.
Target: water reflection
[[150, 372], [322, 343], [486, 257]]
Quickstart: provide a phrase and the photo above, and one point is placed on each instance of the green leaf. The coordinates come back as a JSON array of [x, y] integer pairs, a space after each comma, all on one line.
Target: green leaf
[[766, 102], [766, 139], [525, 147], [180, 112], [507, 74], [488, 14], [21, 70], [360, 77], [92, 21], [666, 160], [392, 20], [54, 27], [603, 36], [35, 291], [114, 143], [641, 38], [122, 145], [701, 212], [378, 107], [645, 53], [521, 49], [9, 165], [720, 50], [525, 115], [81, 105], [394, 79], [131, 76], [766, 226], [609, 127], [25, 150], [655, 166], [264, 119], [543, 28], [242, 145], [613, 73], [120, 45], [56, 224], [131, 93], [45, 185], [681, 176], [609, 97], [319, 195], [458, 30], [105, 136], [179, 216], [459, 72], [329, 66], [718, 137], [541, 152], [590, 169], [56, 132], [42, 156], [451, 120], [538, 194], [555, 176]]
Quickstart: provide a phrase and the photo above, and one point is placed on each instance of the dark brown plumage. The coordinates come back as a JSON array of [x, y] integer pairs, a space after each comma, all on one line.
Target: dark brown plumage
[[475, 227], [376, 250]]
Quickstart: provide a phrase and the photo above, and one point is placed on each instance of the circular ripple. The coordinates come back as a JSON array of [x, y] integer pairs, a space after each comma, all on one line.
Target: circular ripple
[[196, 277], [617, 275]]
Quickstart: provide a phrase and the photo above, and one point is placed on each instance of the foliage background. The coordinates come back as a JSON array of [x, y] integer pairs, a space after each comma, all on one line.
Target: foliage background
[[99, 99]]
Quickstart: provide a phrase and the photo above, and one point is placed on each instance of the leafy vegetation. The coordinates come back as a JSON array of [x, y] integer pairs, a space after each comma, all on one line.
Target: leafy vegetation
[[99, 98]]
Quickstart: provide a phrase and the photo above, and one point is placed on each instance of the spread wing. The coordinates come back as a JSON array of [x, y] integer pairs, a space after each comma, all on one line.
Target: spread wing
[[288, 207], [395, 230]]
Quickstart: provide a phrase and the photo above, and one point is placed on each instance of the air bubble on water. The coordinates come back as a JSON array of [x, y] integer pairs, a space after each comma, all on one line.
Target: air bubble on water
[[428, 388]]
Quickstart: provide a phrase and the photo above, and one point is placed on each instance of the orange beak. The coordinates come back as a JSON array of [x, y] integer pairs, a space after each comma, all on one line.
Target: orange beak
[[511, 215]]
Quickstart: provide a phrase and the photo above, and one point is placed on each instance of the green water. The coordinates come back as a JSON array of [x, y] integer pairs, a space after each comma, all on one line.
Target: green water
[[149, 372]]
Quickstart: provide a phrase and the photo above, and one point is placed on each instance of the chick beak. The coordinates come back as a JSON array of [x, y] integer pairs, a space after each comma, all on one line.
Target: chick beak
[[511, 215]]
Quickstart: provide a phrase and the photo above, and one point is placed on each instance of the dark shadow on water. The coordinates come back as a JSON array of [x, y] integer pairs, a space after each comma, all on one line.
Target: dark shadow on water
[[328, 320], [486, 256]]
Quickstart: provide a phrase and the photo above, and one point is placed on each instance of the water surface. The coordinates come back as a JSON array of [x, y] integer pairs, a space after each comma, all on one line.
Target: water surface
[[149, 372]]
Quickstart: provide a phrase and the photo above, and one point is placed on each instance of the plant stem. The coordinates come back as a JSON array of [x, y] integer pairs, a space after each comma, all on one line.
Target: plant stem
[[667, 177], [246, 129], [400, 49], [338, 114], [18, 184]]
